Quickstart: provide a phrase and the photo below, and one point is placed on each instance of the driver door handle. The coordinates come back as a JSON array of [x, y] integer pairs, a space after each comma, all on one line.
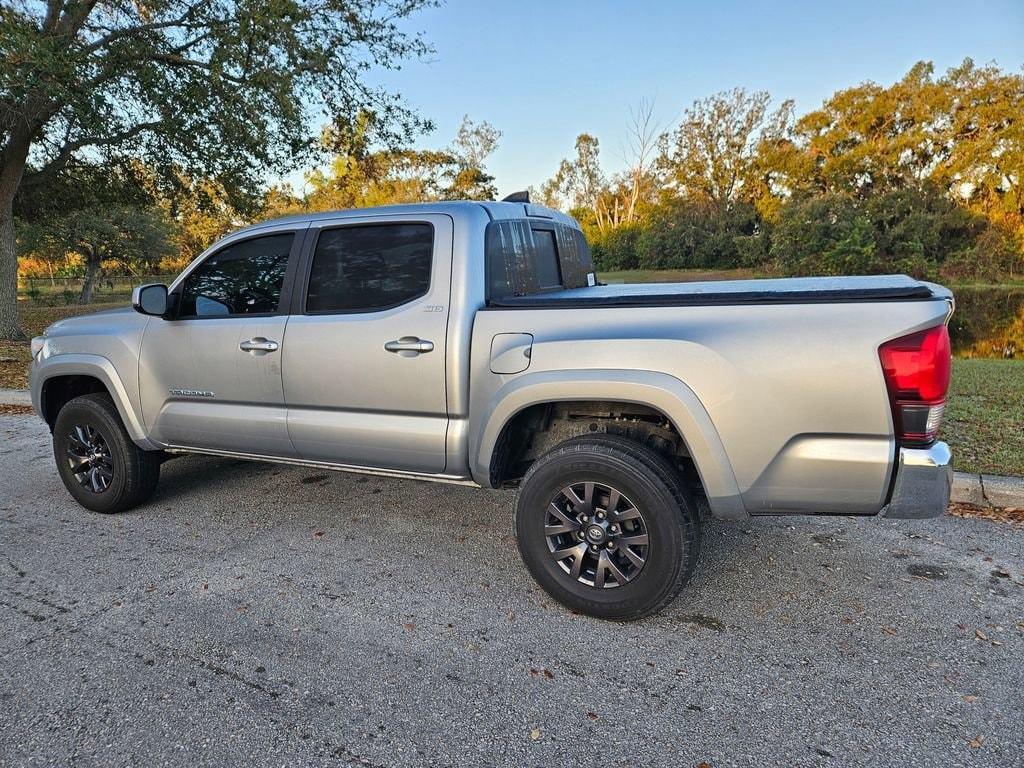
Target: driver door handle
[[259, 344], [409, 346]]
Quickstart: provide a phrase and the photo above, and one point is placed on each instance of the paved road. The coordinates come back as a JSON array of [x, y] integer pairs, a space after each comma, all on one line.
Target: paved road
[[261, 615]]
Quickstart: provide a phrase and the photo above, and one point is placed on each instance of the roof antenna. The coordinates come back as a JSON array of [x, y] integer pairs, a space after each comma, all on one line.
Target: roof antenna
[[517, 197]]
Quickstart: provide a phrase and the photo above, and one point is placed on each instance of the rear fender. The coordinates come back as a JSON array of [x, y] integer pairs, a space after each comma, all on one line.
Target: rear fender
[[661, 391]]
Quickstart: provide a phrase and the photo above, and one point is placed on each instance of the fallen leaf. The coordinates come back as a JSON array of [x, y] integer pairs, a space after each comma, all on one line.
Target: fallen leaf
[[997, 643], [977, 741], [592, 715], [889, 630], [535, 735], [549, 674], [318, 533], [409, 626], [980, 635], [970, 699]]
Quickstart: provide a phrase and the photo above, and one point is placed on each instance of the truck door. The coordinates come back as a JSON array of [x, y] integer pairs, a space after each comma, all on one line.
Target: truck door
[[210, 376], [364, 352]]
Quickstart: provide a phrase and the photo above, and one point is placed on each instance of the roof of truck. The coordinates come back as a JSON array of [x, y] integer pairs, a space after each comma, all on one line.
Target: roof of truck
[[452, 208]]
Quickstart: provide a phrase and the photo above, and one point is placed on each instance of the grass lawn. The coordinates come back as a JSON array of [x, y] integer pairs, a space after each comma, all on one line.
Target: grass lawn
[[984, 417], [984, 422]]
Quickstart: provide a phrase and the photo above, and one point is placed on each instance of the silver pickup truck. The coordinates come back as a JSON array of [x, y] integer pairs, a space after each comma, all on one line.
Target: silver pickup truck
[[472, 343]]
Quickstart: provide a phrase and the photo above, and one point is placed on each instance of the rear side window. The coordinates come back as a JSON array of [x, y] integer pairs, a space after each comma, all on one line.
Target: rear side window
[[546, 260], [367, 268], [525, 257], [244, 278]]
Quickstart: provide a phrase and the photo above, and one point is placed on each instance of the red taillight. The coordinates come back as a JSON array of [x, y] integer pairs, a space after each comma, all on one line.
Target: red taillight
[[916, 371]]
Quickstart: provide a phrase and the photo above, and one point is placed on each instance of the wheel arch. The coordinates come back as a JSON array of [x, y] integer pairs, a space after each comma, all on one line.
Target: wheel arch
[[57, 381], [661, 393]]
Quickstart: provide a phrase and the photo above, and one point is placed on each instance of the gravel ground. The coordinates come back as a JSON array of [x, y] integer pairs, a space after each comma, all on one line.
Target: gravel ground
[[261, 615]]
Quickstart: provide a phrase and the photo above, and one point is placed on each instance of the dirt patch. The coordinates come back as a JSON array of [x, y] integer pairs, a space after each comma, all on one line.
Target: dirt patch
[[1013, 515], [15, 410]]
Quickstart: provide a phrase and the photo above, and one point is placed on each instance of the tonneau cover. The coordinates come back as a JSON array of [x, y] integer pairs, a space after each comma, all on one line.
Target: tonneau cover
[[796, 290]]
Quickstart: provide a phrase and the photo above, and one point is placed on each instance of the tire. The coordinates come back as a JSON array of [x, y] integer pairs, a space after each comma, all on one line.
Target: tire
[[119, 475], [647, 484]]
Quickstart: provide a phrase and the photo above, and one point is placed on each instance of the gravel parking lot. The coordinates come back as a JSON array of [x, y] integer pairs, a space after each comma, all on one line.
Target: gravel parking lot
[[255, 614]]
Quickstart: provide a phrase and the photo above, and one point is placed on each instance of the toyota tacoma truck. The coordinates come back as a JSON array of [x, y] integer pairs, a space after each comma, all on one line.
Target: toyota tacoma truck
[[472, 343]]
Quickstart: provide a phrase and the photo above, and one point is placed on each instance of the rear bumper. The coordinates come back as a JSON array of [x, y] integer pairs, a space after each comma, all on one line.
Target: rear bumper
[[924, 477]]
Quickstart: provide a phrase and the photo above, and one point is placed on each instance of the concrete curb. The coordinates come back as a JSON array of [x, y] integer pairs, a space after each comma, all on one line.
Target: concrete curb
[[15, 397], [987, 490], [979, 490]]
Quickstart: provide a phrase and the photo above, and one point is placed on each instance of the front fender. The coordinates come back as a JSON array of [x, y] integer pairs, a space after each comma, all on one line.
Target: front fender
[[84, 364], [657, 390]]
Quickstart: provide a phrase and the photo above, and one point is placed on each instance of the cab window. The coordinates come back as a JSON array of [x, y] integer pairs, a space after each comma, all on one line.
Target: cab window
[[244, 278], [370, 268]]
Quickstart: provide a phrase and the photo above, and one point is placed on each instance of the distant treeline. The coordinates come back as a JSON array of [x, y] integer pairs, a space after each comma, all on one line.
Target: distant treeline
[[923, 177]]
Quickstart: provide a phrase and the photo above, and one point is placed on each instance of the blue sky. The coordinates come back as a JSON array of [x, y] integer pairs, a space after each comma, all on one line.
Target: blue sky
[[543, 72]]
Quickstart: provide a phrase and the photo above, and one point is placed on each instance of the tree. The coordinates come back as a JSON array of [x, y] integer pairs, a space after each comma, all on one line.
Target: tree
[[961, 132], [202, 212], [474, 143], [711, 156], [363, 174], [578, 182], [220, 88], [642, 135], [99, 214]]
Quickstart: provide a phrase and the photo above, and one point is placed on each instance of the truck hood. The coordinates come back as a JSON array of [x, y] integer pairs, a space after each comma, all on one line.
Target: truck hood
[[107, 322]]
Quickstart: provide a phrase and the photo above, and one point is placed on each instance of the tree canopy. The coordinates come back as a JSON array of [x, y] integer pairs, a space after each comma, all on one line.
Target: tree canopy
[[922, 176], [220, 89]]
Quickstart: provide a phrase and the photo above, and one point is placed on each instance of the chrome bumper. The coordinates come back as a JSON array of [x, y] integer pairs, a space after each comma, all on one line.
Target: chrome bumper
[[924, 477]]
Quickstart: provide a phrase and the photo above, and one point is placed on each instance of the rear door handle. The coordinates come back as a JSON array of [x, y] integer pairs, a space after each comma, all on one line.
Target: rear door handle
[[409, 346], [259, 344]]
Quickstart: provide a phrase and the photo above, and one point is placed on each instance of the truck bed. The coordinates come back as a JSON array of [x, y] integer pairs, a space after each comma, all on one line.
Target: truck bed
[[799, 290]]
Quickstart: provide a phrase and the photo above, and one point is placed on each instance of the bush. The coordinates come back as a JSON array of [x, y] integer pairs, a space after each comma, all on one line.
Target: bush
[[917, 231], [908, 230], [685, 235], [617, 248]]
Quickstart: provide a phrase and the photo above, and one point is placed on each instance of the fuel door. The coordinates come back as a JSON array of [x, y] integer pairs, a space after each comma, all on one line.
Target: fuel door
[[510, 352]]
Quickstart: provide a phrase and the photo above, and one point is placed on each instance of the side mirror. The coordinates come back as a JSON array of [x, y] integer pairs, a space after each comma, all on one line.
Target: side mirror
[[150, 299]]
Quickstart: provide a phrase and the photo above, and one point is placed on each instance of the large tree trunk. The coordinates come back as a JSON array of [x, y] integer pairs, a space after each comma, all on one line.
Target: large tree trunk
[[12, 166], [92, 271], [9, 327]]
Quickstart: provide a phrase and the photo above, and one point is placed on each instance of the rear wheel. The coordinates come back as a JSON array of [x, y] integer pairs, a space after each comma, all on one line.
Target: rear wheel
[[100, 465], [607, 527]]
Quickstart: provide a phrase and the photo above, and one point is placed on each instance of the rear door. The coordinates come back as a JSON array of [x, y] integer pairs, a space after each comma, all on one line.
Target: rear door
[[364, 356]]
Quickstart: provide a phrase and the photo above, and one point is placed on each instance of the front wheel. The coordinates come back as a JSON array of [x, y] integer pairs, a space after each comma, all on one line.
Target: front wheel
[[100, 465], [606, 526]]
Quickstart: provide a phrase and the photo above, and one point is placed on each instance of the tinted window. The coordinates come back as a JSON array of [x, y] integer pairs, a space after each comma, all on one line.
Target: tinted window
[[370, 267], [546, 259], [242, 279], [522, 260]]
